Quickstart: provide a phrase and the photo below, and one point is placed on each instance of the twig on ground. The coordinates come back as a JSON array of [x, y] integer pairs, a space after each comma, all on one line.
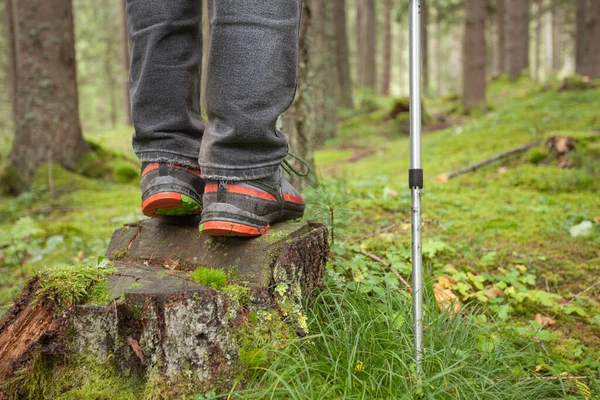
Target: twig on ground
[[578, 295], [447, 176], [392, 226], [388, 266]]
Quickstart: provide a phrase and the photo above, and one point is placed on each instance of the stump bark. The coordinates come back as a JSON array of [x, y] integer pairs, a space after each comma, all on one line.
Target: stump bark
[[157, 319]]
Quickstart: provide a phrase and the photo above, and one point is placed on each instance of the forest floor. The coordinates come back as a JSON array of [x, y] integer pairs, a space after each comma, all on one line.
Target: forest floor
[[496, 240]]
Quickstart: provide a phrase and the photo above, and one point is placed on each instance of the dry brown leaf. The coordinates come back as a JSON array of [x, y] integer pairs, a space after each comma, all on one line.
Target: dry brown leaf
[[597, 220], [493, 292], [543, 320], [447, 281], [502, 170], [171, 264], [446, 299], [135, 346], [442, 178]]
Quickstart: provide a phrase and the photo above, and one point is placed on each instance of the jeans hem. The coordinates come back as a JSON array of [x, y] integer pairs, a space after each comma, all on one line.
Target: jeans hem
[[170, 157], [238, 174]]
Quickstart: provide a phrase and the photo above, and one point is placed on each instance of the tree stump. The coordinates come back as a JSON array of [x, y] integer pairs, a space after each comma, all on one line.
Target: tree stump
[[158, 321]]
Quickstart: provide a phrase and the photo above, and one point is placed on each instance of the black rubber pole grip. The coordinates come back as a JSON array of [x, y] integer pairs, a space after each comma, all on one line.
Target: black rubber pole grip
[[415, 178]]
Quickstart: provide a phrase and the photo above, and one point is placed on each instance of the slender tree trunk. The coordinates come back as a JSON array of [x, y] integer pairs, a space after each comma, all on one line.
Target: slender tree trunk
[[12, 56], [360, 43], [425, 44], [342, 54], [370, 42], [538, 40], [501, 58], [110, 87], [438, 47], [587, 60], [44, 71], [518, 16], [387, 47], [299, 119], [125, 63], [474, 54], [557, 43]]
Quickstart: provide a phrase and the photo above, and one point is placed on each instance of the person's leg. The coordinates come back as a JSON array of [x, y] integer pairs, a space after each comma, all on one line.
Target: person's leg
[[252, 71], [166, 54]]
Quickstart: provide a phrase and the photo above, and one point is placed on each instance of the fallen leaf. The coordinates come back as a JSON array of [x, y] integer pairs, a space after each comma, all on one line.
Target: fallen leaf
[[543, 320], [502, 170], [171, 264], [494, 291], [597, 220], [135, 346], [442, 178], [446, 299]]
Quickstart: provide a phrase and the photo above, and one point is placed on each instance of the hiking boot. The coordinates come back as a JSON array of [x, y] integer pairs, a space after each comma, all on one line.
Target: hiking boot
[[169, 189], [248, 208]]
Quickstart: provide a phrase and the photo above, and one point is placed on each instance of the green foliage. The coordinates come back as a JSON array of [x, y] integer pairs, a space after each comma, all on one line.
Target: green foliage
[[364, 347], [214, 278], [74, 284], [536, 156], [327, 203]]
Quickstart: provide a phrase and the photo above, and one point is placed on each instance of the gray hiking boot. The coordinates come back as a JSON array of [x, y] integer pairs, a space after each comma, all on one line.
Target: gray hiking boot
[[248, 208]]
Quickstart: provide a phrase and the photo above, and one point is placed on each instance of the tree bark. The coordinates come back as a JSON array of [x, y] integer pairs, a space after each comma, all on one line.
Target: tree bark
[[125, 63], [501, 58], [538, 40], [557, 23], [370, 42], [12, 57], [587, 59], [342, 55], [425, 44], [387, 47], [359, 31], [474, 54], [518, 16], [47, 126]]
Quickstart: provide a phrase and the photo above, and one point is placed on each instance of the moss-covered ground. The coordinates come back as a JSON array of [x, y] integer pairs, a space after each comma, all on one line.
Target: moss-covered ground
[[499, 237]]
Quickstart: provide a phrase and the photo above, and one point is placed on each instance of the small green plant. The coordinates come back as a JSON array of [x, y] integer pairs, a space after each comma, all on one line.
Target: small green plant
[[214, 278], [536, 156]]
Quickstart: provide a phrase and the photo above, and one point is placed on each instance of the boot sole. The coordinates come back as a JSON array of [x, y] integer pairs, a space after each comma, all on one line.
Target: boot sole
[[222, 219], [170, 203]]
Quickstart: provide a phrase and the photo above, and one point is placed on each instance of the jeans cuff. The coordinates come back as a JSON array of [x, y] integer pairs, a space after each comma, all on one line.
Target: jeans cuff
[[165, 156], [237, 174]]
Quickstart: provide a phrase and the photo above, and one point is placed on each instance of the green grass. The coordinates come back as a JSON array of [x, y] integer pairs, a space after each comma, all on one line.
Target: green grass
[[362, 349], [214, 278]]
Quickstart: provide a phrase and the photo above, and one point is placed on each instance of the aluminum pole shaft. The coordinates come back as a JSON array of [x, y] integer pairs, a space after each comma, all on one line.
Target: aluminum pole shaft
[[416, 183]]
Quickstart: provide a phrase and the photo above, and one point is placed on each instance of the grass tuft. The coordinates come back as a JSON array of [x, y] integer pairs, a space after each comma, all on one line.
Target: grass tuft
[[214, 278]]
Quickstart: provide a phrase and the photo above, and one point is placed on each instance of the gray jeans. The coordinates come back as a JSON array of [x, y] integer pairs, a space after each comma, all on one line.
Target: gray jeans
[[251, 80]]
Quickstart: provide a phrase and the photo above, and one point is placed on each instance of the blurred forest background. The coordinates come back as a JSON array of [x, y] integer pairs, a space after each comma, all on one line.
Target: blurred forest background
[[511, 152]]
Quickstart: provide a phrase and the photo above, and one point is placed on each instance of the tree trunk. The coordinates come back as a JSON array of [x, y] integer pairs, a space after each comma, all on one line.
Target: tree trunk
[[474, 54], [557, 23], [438, 47], [360, 44], [387, 47], [125, 63], [298, 121], [587, 59], [538, 41], [47, 126], [501, 57], [342, 55], [518, 16], [11, 53], [369, 52], [425, 45]]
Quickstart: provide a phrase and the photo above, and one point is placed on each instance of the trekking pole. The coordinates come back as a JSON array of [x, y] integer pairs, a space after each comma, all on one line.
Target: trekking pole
[[415, 177]]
